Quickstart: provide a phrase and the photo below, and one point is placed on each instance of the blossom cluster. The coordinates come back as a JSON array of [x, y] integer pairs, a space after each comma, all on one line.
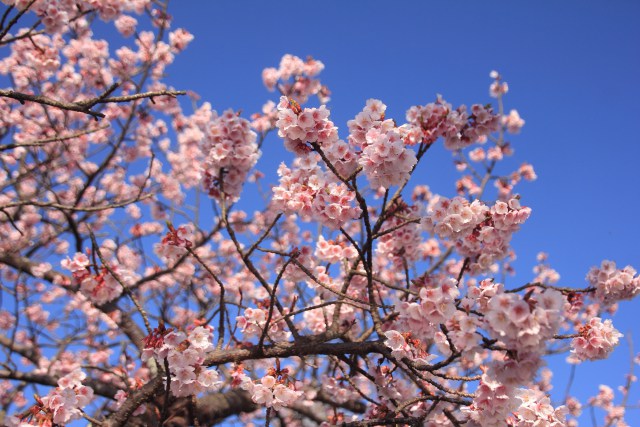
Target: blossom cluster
[[296, 78], [459, 128], [462, 332], [275, 390], [516, 368], [435, 305], [62, 405], [499, 405], [56, 15], [179, 39], [100, 287], [403, 345], [492, 404], [524, 324], [535, 410], [544, 273], [319, 319], [478, 231], [596, 340], [612, 284], [312, 194], [303, 129], [513, 122], [175, 243], [232, 152], [384, 158], [69, 397], [254, 320], [300, 126], [405, 243], [334, 251], [425, 124], [266, 120], [339, 389], [605, 400], [27, 63], [498, 87], [185, 354]]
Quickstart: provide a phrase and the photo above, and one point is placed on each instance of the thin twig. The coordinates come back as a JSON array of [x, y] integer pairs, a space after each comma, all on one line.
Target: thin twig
[[125, 288]]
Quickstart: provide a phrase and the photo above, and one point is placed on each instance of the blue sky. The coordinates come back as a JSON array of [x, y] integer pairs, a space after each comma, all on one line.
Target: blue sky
[[573, 70]]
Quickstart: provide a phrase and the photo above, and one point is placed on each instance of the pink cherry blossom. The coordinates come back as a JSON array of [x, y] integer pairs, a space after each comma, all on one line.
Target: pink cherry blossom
[[343, 290], [597, 339], [613, 284], [513, 122]]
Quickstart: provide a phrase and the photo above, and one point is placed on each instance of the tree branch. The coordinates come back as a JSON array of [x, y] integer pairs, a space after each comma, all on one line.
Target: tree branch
[[85, 106]]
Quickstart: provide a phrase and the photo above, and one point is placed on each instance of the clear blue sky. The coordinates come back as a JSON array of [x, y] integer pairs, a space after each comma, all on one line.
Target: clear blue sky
[[573, 70]]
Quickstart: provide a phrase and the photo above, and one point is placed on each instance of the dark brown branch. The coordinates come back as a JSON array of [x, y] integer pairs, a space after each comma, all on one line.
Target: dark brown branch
[[214, 408], [75, 208], [386, 422], [137, 398], [23, 350], [15, 19], [564, 290], [99, 387], [85, 106], [295, 349]]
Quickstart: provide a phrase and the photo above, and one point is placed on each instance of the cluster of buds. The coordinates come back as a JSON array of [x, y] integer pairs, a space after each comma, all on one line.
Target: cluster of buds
[[155, 339], [175, 243]]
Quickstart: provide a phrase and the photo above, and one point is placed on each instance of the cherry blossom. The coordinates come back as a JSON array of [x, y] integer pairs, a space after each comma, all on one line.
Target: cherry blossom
[[313, 194], [184, 354], [524, 324], [296, 78], [492, 404], [175, 243], [513, 122], [343, 291], [275, 390], [232, 152], [479, 232], [613, 284], [596, 340], [536, 410]]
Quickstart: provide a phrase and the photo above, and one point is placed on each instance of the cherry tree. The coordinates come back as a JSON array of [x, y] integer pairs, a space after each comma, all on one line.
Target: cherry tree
[[137, 291]]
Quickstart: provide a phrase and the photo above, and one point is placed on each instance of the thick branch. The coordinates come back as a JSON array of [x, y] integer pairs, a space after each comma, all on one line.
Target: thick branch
[[295, 349], [214, 408], [140, 396], [23, 350], [99, 387]]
